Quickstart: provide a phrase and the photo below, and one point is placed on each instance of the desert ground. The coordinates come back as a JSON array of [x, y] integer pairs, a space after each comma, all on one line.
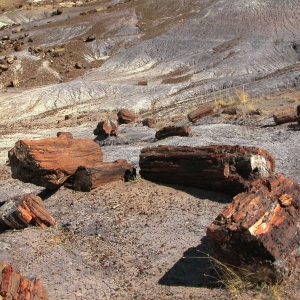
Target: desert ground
[[140, 239]]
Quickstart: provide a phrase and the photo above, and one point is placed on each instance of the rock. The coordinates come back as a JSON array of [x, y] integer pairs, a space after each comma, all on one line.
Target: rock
[[223, 168], [18, 47], [203, 111], [65, 134], [24, 211], [3, 67], [126, 116], [78, 65], [86, 179], [285, 116], [230, 111], [15, 83], [108, 127], [50, 162], [172, 131], [258, 232], [90, 38], [5, 38], [68, 117], [15, 286], [143, 82], [10, 60], [150, 122]]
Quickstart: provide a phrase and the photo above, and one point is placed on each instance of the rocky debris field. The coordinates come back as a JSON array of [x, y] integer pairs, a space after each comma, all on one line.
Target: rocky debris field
[[100, 70]]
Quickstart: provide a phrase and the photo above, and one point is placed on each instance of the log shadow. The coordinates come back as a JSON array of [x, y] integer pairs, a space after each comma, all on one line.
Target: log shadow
[[202, 194], [194, 269], [294, 127]]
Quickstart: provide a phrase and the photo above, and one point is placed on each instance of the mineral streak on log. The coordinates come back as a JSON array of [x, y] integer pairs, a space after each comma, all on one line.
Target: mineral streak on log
[[15, 286], [223, 168], [49, 162], [86, 179], [259, 231], [24, 211]]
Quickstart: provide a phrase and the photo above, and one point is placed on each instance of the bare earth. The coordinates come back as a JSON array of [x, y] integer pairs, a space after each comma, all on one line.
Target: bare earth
[[143, 240]]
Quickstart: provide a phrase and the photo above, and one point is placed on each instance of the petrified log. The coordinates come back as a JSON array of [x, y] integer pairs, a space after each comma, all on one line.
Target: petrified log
[[49, 162], [285, 116], [259, 231], [202, 111], [172, 131], [24, 211], [108, 127], [126, 116], [150, 122], [15, 286], [228, 169], [86, 179], [65, 134]]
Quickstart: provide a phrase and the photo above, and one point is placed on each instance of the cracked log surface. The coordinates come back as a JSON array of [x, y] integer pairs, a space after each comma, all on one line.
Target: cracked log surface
[[24, 211], [259, 231], [50, 162], [224, 168], [15, 286], [88, 178]]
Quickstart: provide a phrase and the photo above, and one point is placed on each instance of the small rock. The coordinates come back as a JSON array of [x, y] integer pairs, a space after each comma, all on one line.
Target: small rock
[[126, 116], [90, 38], [5, 38], [67, 117], [10, 60], [3, 67], [149, 122], [18, 47], [78, 65]]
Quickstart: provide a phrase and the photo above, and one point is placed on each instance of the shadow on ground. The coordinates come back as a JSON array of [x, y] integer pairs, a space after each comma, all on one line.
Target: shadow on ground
[[194, 269]]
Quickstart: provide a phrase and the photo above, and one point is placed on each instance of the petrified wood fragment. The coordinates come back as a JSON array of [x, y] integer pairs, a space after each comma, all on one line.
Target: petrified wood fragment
[[86, 179], [108, 127], [285, 116], [202, 111], [223, 168], [126, 116], [172, 131], [65, 134], [24, 211], [150, 122], [49, 162], [259, 231], [15, 286]]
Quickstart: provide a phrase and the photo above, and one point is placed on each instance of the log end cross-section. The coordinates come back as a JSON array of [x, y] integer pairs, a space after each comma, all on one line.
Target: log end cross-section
[[259, 231]]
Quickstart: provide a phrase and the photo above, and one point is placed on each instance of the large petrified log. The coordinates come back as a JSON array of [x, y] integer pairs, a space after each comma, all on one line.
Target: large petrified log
[[86, 179], [285, 116], [223, 168], [15, 286], [172, 131], [24, 211], [49, 162], [259, 231]]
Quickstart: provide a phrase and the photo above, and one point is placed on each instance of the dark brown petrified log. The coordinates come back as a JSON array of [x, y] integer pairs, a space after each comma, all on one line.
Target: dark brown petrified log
[[285, 116], [15, 286], [259, 231], [172, 131], [24, 211], [202, 111], [49, 162], [227, 169], [108, 127], [88, 178]]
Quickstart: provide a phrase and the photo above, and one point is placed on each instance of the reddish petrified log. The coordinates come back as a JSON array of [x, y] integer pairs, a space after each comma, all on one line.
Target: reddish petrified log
[[172, 131], [108, 127], [24, 211], [65, 134], [126, 116], [50, 162], [259, 231], [86, 179], [150, 122], [223, 168], [285, 116], [15, 286], [202, 111]]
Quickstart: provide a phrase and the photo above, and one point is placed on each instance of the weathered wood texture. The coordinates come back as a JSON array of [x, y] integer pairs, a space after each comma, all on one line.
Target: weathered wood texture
[[15, 286], [259, 231], [107, 127], [49, 162], [86, 179], [202, 111], [285, 116], [126, 116], [172, 131], [24, 211], [223, 168]]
